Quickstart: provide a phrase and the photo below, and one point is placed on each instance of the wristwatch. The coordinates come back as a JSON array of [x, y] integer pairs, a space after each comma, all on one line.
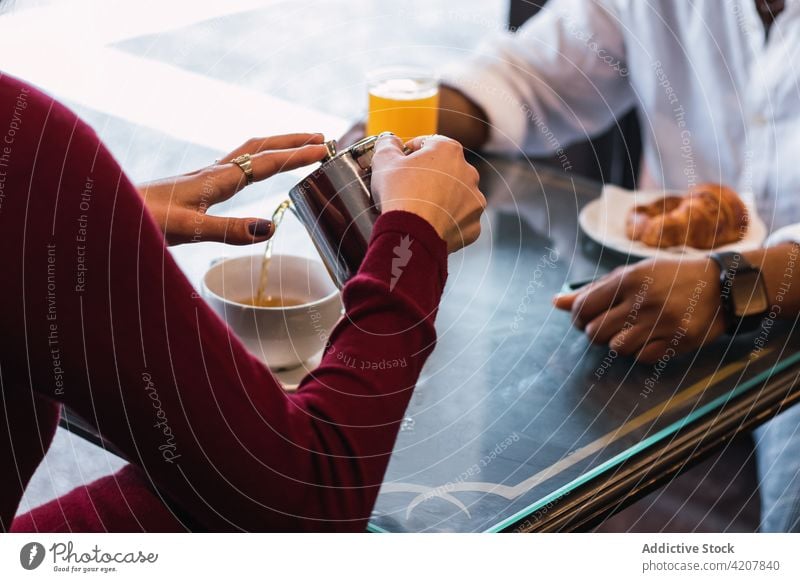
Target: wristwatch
[[742, 291]]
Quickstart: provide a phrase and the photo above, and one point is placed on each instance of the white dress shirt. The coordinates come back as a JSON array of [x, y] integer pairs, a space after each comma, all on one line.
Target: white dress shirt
[[716, 102]]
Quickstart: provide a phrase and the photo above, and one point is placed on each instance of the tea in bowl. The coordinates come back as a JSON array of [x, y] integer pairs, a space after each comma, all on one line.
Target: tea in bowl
[[290, 320]]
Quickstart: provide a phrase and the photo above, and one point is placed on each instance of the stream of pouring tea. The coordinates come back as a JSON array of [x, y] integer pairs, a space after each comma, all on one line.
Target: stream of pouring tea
[[261, 297]]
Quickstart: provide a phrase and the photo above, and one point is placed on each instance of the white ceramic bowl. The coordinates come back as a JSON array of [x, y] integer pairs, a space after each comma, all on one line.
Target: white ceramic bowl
[[283, 337]]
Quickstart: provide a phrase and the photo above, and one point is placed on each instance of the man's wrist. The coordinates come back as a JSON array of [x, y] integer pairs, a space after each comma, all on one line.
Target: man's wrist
[[461, 118], [779, 266]]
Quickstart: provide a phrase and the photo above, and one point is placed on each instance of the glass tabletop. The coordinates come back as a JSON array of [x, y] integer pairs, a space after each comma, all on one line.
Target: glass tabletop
[[515, 408]]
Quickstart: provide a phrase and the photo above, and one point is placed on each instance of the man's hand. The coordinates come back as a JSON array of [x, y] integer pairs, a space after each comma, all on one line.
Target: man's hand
[[652, 308], [434, 182], [180, 204]]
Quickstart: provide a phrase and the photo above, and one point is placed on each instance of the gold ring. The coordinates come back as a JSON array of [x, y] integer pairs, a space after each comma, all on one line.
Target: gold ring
[[244, 162]]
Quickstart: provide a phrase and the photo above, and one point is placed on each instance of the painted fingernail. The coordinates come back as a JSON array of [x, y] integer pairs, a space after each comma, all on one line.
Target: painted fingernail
[[260, 227]]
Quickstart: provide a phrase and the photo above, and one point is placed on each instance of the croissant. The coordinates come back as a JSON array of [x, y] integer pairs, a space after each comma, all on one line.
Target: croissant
[[710, 215]]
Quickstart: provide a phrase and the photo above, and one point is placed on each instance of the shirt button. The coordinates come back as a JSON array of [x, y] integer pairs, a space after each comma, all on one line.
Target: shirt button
[[759, 120]]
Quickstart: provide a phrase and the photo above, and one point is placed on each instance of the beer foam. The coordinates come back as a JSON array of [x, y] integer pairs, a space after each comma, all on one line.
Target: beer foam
[[404, 89]]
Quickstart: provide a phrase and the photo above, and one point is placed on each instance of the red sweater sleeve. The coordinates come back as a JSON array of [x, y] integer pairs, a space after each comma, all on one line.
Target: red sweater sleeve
[[359, 393]]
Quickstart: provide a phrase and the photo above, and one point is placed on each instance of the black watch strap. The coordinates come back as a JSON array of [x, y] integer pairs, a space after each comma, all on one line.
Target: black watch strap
[[742, 292]]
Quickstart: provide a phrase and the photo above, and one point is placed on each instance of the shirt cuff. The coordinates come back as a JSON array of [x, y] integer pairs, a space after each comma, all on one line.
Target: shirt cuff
[[481, 80], [787, 234]]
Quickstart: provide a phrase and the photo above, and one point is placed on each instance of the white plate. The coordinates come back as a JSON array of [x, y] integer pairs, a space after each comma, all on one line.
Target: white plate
[[603, 220]]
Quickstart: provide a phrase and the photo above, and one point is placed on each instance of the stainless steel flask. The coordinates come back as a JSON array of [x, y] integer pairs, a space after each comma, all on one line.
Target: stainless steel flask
[[335, 205]]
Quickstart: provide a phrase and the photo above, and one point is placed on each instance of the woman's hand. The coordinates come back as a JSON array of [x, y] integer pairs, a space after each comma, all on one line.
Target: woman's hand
[[180, 205], [651, 309], [434, 182]]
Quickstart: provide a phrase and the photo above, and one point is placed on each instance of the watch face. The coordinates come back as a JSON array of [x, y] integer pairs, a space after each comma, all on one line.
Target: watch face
[[748, 294]]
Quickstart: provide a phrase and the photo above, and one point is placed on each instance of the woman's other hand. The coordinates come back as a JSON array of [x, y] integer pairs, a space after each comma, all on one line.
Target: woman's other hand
[[433, 181], [180, 205]]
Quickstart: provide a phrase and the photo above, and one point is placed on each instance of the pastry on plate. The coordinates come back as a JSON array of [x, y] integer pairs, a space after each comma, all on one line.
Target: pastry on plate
[[708, 216]]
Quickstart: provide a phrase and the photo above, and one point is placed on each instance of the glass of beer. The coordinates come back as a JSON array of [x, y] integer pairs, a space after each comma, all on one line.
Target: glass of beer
[[403, 100]]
